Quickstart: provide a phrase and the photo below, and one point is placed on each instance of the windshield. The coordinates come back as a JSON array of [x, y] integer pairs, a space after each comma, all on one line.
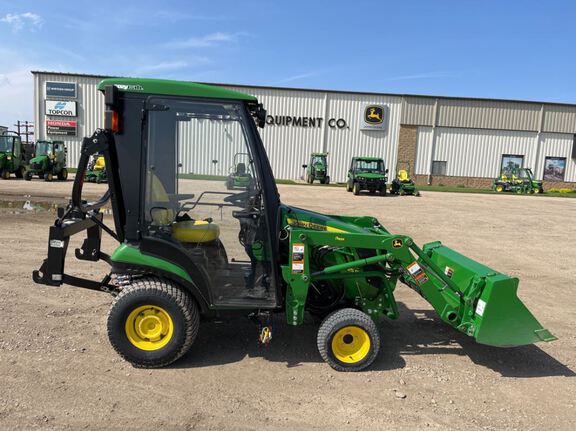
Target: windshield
[[317, 160], [43, 148], [6, 144], [374, 166]]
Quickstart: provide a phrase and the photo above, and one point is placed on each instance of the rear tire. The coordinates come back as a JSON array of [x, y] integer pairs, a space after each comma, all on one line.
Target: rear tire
[[5, 174], [48, 176], [348, 340], [63, 174], [356, 189], [20, 172], [153, 323], [28, 176], [348, 186], [327, 180]]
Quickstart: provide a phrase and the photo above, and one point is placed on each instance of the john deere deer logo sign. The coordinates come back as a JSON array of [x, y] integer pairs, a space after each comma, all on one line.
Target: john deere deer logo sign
[[373, 118]]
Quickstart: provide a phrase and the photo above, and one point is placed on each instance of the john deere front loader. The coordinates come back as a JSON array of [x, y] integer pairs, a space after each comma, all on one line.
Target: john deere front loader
[[190, 248]]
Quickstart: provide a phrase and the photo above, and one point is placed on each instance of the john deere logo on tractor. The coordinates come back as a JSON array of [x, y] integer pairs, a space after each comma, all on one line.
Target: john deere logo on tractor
[[374, 114], [397, 243]]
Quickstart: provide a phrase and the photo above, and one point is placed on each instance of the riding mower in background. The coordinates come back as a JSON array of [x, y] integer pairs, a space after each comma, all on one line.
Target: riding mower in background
[[403, 184], [96, 170], [240, 176], [317, 168], [49, 160], [174, 264], [518, 180], [367, 173], [11, 155]]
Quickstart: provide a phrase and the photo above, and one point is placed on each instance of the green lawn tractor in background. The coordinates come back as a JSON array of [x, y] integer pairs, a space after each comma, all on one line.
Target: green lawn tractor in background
[[367, 173], [317, 169], [96, 171], [11, 155], [240, 176], [517, 180], [403, 183], [175, 267], [49, 161]]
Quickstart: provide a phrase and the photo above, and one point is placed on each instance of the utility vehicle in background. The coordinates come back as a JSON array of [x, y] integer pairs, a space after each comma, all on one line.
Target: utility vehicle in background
[[317, 168], [49, 161], [367, 173], [11, 155]]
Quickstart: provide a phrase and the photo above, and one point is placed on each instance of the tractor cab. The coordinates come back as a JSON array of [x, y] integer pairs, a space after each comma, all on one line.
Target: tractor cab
[[317, 168], [49, 160], [11, 155]]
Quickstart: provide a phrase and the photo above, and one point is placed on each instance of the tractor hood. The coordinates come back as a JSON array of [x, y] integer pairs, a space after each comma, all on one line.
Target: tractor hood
[[38, 159], [298, 217]]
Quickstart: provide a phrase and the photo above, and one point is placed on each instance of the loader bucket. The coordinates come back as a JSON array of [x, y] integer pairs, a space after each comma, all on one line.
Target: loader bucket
[[494, 315]]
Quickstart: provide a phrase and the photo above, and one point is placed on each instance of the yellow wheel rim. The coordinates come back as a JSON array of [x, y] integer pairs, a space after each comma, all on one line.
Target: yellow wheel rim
[[499, 189], [351, 344], [149, 327], [536, 190]]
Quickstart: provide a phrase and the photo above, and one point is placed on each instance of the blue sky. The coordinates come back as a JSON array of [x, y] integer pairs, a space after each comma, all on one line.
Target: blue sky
[[496, 49]]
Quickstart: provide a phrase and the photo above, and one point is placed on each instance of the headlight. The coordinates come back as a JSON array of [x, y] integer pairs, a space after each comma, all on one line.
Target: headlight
[[9, 158]]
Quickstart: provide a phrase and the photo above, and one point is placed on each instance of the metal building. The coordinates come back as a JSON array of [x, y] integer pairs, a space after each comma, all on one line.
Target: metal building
[[451, 141]]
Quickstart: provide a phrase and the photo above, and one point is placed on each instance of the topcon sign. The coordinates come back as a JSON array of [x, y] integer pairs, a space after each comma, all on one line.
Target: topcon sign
[[61, 108]]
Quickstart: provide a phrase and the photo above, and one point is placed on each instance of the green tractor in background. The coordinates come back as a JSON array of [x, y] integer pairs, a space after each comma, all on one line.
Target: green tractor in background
[[11, 155], [317, 169], [240, 176], [517, 180], [96, 171], [403, 183], [367, 173], [49, 160]]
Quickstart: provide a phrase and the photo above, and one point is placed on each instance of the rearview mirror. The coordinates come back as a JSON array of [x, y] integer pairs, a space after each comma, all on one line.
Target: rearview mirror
[[214, 161], [304, 166], [386, 171]]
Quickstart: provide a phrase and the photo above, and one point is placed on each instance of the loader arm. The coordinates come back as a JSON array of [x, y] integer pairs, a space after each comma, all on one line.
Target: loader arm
[[467, 295]]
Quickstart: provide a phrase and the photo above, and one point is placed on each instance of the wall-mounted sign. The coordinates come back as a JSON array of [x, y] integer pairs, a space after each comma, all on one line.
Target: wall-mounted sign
[[62, 108], [373, 117], [308, 122], [62, 128], [61, 89]]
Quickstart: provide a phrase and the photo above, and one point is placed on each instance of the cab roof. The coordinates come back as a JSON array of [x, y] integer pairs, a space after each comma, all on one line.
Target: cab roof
[[173, 88], [368, 159]]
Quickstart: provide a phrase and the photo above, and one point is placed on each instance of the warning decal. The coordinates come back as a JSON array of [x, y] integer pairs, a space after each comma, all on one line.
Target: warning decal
[[417, 272], [298, 258]]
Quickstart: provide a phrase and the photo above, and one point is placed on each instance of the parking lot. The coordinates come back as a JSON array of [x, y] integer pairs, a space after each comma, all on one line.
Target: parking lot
[[59, 371]]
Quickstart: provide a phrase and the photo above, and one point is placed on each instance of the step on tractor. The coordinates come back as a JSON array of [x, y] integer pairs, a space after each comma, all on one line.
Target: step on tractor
[[403, 183], [11, 155], [367, 173], [190, 251], [240, 175], [96, 170], [317, 168], [49, 161], [517, 180]]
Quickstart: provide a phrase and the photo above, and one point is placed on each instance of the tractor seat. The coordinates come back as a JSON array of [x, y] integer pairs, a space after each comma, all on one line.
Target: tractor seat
[[403, 175], [241, 169], [195, 231], [100, 165]]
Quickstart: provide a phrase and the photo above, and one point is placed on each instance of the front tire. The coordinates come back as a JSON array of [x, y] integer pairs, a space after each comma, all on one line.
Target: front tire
[[153, 323], [356, 189], [63, 174], [348, 340], [20, 172], [5, 174], [48, 176], [28, 176]]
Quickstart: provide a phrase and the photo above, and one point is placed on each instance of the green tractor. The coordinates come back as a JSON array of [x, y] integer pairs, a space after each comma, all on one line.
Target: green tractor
[[517, 180], [240, 176], [49, 160], [96, 170], [11, 155], [175, 266], [403, 183], [317, 168], [367, 173]]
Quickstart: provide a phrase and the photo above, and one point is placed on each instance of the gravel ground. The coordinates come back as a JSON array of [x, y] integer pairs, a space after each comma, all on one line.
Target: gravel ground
[[58, 371]]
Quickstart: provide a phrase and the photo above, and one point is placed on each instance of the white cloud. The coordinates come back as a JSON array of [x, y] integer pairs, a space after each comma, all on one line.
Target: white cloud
[[163, 66], [16, 91], [298, 77], [206, 41], [28, 20]]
